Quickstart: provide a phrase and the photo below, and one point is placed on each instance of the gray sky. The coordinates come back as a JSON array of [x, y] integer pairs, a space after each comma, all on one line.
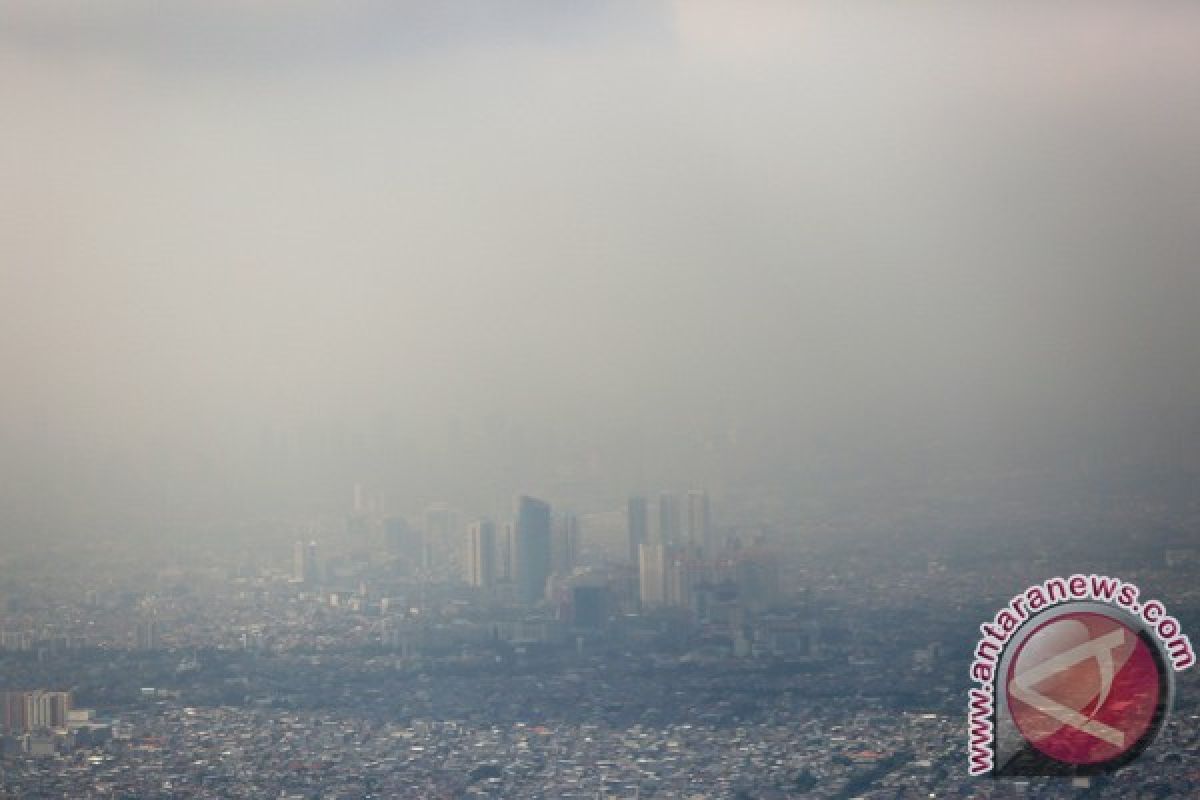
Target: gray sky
[[252, 248]]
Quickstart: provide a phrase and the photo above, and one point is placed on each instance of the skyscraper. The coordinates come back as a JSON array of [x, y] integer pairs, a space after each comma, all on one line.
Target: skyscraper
[[699, 522], [681, 578], [636, 524], [304, 562], [531, 560], [146, 635], [481, 554], [652, 563], [506, 557], [564, 545], [668, 518]]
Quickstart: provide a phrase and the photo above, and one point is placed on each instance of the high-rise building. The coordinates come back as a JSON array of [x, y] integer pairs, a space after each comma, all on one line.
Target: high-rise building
[[146, 635], [682, 578], [298, 555], [481, 554], [22, 712], [531, 560], [507, 553], [668, 518], [699, 522], [304, 563], [564, 545], [12, 713], [636, 524], [652, 563]]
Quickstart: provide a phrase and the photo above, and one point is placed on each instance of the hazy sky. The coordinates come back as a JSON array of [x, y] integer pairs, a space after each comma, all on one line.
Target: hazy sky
[[530, 243]]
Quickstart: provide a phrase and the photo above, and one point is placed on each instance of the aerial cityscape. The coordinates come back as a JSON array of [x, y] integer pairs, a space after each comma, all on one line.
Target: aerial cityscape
[[598, 400], [530, 656]]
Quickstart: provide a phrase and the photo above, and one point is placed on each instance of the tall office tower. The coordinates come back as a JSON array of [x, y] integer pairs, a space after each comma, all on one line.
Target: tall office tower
[[531, 560], [304, 563], [146, 635], [668, 518], [699, 522], [506, 553], [437, 534], [637, 520], [682, 577], [564, 545], [298, 554], [481, 554], [652, 564]]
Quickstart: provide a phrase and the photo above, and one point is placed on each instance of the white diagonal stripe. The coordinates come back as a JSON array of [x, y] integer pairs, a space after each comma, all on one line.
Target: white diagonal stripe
[[1100, 649]]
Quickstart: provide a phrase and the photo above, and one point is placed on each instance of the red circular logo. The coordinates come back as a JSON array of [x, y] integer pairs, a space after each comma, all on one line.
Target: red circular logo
[[1084, 688]]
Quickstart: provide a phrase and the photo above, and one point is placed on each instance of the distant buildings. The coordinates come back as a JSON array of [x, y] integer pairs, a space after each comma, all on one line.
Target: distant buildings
[[481, 554], [637, 520], [16, 640], [437, 533], [589, 606], [682, 576], [506, 554], [363, 519], [146, 635], [699, 522], [358, 532], [668, 518], [304, 563], [674, 561], [22, 712], [531, 561], [564, 544], [652, 565], [757, 578], [399, 539]]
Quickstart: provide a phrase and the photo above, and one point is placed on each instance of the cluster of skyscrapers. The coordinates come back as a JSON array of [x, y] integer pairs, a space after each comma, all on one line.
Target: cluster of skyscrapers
[[682, 523], [671, 555], [669, 540], [535, 545]]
